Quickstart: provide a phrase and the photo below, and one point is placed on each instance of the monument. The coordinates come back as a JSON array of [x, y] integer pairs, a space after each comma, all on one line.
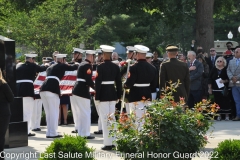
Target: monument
[[17, 134]]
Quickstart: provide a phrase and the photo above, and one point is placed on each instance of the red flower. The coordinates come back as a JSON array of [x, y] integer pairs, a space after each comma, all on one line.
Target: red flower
[[122, 63]]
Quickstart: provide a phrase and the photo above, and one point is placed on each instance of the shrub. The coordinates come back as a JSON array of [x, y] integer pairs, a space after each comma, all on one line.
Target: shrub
[[168, 128], [226, 150], [68, 147]]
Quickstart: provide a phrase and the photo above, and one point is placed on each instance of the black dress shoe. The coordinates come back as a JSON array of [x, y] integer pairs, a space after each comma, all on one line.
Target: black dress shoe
[[90, 137], [58, 136], [98, 132], [75, 131], [108, 148], [36, 129], [31, 134]]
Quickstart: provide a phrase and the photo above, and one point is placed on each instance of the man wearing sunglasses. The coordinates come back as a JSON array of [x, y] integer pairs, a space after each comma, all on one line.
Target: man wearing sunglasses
[[211, 60]]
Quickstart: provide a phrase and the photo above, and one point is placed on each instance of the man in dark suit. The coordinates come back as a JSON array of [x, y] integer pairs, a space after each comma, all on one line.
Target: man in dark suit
[[211, 60], [196, 70], [174, 70]]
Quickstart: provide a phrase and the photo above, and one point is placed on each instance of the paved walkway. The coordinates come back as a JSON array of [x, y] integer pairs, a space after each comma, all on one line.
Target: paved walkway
[[220, 131]]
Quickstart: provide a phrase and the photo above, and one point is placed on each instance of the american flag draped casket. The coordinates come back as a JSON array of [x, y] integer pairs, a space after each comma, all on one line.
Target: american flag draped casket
[[66, 83]]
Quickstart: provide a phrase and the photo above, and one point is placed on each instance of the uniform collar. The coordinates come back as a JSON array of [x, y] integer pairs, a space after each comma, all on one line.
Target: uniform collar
[[141, 60], [107, 60], [173, 59]]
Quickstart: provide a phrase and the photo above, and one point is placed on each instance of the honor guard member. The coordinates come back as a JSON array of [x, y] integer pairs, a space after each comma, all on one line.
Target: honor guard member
[[81, 96], [142, 77], [50, 92], [174, 70], [98, 60], [77, 58], [25, 75], [37, 113], [154, 89], [130, 55], [107, 95], [55, 53]]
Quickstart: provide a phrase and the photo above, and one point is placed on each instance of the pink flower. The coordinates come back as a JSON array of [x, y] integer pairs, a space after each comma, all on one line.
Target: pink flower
[[205, 137], [218, 107]]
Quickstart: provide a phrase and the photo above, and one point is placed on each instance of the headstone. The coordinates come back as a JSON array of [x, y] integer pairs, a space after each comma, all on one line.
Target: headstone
[[17, 134]]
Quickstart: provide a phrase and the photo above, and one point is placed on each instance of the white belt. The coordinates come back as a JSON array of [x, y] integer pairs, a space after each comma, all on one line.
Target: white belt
[[24, 80], [141, 85], [54, 77], [107, 82], [80, 79]]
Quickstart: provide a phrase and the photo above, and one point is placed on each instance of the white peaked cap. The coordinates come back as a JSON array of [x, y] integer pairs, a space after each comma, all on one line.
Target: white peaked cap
[[99, 50], [149, 54], [31, 55], [61, 55], [130, 48], [141, 48], [106, 48], [78, 50], [91, 52]]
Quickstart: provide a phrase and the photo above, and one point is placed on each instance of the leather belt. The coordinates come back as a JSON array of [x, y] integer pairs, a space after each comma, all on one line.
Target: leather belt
[[107, 82], [80, 79], [141, 85], [54, 77], [24, 80]]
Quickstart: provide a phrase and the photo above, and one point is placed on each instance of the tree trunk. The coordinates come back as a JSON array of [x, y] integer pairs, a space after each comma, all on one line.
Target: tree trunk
[[205, 24]]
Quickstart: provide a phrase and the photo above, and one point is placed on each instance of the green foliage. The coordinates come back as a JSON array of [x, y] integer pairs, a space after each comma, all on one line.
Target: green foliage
[[21, 58], [67, 148], [168, 127], [226, 150], [49, 25]]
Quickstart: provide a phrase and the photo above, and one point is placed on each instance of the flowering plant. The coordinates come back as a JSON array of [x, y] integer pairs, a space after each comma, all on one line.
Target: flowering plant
[[168, 127]]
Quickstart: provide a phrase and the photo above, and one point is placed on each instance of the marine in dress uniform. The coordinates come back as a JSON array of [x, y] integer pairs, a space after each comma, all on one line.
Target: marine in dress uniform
[[153, 89], [37, 109], [174, 70], [142, 77], [55, 53], [25, 75], [50, 92], [99, 53], [107, 95], [99, 58], [77, 55], [81, 95], [130, 56], [77, 58], [37, 113]]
